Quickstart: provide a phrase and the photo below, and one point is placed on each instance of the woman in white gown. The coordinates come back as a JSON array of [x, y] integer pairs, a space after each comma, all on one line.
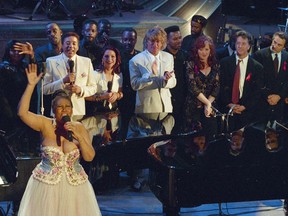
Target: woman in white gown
[[58, 185]]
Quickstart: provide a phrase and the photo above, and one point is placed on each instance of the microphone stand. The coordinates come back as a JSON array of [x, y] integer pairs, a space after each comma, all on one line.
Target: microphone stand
[[281, 125], [42, 109], [42, 96], [224, 116]]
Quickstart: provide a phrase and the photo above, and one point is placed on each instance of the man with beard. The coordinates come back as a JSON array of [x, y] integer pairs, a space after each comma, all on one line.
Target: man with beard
[[70, 72], [53, 48], [128, 40], [198, 24], [104, 33], [88, 46], [174, 40]]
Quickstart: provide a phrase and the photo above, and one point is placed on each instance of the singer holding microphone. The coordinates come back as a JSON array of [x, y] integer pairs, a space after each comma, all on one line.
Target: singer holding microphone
[[108, 83], [70, 72], [58, 185]]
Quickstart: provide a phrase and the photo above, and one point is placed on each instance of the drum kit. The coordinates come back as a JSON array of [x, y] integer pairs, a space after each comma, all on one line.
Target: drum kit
[[74, 8]]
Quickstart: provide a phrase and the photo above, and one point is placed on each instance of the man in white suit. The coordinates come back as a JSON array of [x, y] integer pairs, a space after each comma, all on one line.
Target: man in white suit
[[75, 78], [152, 75]]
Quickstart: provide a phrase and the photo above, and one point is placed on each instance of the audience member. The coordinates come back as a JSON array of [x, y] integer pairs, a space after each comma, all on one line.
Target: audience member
[[240, 89], [108, 83], [174, 40], [128, 40], [52, 48], [152, 74], [71, 72], [58, 184], [202, 87], [104, 33], [275, 77], [87, 46], [198, 24]]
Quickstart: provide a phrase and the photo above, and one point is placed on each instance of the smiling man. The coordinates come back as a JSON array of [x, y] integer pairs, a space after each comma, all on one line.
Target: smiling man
[[241, 81], [71, 72]]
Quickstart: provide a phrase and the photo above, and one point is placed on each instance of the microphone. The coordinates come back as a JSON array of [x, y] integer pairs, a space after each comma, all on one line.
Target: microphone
[[65, 119], [71, 66], [109, 86]]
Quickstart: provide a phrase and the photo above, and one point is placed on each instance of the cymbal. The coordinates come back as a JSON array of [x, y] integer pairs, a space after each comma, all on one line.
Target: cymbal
[[284, 9]]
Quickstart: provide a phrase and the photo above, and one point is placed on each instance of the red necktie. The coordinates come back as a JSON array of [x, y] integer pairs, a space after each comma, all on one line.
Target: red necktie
[[276, 63], [235, 90]]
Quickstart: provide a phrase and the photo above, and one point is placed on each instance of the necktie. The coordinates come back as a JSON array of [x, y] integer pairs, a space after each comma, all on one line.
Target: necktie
[[235, 90], [276, 63], [155, 66]]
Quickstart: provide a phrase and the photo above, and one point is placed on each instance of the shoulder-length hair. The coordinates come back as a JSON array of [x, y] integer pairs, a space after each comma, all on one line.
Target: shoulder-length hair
[[200, 43], [155, 33], [116, 67]]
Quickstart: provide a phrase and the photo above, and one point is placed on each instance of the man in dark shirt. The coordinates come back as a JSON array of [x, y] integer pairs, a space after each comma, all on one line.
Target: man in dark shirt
[[88, 46], [128, 40], [174, 40], [104, 33], [198, 24]]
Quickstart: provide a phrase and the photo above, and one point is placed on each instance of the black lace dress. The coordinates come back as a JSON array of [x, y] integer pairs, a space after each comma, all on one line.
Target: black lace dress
[[198, 82]]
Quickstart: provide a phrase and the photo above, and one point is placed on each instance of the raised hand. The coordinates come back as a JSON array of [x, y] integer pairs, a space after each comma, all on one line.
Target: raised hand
[[31, 73], [24, 48]]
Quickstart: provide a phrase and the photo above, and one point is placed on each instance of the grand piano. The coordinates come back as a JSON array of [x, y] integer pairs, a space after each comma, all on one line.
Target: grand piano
[[245, 165], [184, 169]]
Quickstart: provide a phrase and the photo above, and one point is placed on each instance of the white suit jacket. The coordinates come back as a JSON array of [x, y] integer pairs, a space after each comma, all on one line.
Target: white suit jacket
[[153, 94], [56, 70]]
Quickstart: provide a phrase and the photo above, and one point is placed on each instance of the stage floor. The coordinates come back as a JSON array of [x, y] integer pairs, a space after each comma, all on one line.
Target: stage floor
[[122, 201]]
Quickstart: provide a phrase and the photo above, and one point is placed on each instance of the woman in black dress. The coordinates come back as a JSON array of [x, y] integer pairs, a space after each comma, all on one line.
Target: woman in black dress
[[203, 88]]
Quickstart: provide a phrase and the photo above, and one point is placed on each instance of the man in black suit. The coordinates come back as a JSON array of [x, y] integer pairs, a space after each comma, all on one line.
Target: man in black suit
[[275, 78], [241, 100]]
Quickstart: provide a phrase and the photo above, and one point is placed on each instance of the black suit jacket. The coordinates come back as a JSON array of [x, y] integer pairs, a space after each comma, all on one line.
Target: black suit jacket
[[273, 84], [222, 52], [252, 85], [45, 51]]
